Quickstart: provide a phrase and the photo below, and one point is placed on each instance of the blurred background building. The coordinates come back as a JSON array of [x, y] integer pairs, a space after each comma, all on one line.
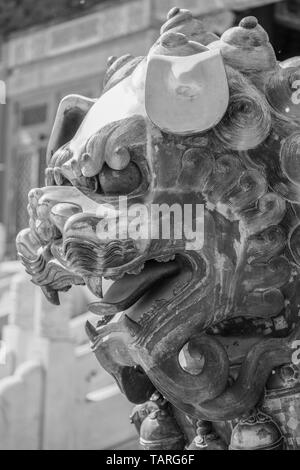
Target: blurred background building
[[51, 48]]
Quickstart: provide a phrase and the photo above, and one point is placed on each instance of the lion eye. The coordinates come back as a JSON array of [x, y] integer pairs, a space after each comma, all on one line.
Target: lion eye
[[119, 182]]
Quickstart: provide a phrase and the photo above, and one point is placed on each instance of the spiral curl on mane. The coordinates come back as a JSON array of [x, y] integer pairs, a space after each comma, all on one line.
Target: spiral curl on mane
[[247, 122]]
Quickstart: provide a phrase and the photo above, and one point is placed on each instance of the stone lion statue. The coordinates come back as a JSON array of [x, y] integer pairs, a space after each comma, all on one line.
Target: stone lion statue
[[203, 337]]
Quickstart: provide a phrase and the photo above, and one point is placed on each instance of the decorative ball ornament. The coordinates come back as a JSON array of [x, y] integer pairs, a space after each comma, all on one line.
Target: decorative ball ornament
[[160, 431], [284, 378], [282, 401], [257, 432]]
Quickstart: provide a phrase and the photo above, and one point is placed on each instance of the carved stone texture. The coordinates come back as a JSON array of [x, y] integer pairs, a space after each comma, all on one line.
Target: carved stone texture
[[202, 121]]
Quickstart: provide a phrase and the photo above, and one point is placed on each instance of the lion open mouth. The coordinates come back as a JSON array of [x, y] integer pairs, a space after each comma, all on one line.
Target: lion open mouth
[[61, 248]]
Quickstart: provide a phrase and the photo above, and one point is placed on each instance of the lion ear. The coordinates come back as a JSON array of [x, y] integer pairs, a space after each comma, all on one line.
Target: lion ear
[[70, 113]]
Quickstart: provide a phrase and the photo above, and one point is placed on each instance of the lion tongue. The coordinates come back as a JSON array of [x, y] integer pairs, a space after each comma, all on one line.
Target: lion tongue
[[128, 290]]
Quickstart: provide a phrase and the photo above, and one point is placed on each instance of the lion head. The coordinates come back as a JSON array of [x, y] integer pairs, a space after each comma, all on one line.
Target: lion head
[[205, 122]]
